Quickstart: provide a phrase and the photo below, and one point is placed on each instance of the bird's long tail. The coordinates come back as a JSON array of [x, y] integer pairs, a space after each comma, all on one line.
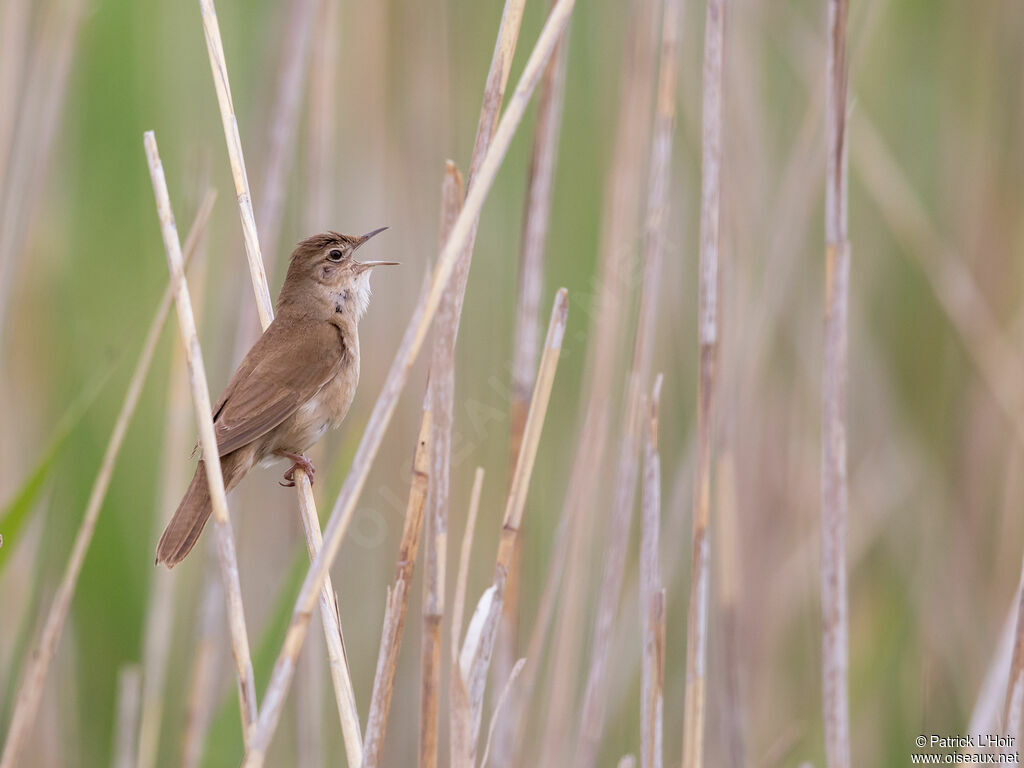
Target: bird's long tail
[[183, 531]]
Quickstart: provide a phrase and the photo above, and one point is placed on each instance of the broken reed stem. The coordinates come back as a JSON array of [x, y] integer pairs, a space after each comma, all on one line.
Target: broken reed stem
[[652, 596], [707, 330], [398, 599], [835, 698], [30, 691], [129, 690], [419, 323], [219, 69], [208, 442], [439, 400], [593, 712], [476, 653], [330, 619], [160, 618], [442, 385]]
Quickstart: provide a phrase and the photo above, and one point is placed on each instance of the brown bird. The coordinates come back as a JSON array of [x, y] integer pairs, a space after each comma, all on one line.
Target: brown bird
[[295, 383]]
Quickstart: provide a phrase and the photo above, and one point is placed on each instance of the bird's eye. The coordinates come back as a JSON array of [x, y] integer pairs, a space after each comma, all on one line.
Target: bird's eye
[[335, 255]]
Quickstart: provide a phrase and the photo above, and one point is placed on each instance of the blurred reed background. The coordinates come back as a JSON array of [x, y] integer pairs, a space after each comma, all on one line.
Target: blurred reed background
[[347, 112]]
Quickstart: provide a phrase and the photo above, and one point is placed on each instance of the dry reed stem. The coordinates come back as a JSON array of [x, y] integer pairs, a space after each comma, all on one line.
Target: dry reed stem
[[992, 694], [615, 282], [30, 691], [440, 402], [412, 340], [627, 761], [536, 218], [476, 651], [499, 708], [202, 681], [322, 123], [129, 691], [652, 596], [442, 383], [593, 712], [398, 600], [208, 442], [37, 119], [219, 69], [330, 619], [834, 492], [160, 618], [707, 329]]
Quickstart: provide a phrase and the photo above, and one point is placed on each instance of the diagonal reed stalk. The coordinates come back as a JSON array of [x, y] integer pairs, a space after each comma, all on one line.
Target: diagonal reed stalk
[[499, 709], [207, 440], [30, 691], [475, 657], [439, 400], [652, 597], [593, 712], [330, 618], [159, 619], [398, 599], [835, 697], [707, 331], [412, 341], [441, 391]]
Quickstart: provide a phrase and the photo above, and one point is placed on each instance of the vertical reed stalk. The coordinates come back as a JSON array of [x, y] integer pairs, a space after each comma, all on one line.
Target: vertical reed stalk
[[398, 598], [203, 679], [207, 440], [536, 218], [707, 330], [615, 280], [440, 402], [442, 387], [835, 699], [593, 714], [129, 691], [412, 341], [652, 597], [30, 691], [330, 619]]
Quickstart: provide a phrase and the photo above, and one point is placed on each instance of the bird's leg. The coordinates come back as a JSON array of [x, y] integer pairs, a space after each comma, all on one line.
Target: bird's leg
[[298, 462]]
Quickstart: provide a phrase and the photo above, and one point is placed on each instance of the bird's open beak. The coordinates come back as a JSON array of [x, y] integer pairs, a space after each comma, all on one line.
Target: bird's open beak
[[362, 266], [363, 240]]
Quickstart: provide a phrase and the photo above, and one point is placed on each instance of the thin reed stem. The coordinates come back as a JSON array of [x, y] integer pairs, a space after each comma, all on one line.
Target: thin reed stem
[[593, 712], [398, 599], [208, 442], [30, 691], [129, 692], [203, 678], [412, 341], [707, 331], [652, 597], [834, 493], [440, 402]]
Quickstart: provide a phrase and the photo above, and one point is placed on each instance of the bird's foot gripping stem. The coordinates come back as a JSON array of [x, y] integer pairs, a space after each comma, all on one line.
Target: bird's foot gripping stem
[[299, 462]]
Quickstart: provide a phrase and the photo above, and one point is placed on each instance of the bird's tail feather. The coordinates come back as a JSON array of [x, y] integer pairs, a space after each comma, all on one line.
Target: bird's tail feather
[[188, 521]]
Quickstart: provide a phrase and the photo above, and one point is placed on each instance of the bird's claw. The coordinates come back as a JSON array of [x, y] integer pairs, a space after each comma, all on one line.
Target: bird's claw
[[299, 462]]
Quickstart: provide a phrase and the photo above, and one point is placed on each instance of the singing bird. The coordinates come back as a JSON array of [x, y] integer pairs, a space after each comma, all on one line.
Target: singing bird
[[295, 383]]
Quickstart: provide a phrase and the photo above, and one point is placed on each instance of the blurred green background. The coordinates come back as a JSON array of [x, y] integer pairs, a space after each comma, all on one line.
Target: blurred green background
[[935, 461]]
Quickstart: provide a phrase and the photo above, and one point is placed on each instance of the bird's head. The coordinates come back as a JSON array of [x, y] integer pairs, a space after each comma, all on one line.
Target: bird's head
[[323, 270]]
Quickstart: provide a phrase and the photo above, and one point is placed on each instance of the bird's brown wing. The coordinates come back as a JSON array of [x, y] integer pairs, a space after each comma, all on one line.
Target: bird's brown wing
[[285, 368]]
